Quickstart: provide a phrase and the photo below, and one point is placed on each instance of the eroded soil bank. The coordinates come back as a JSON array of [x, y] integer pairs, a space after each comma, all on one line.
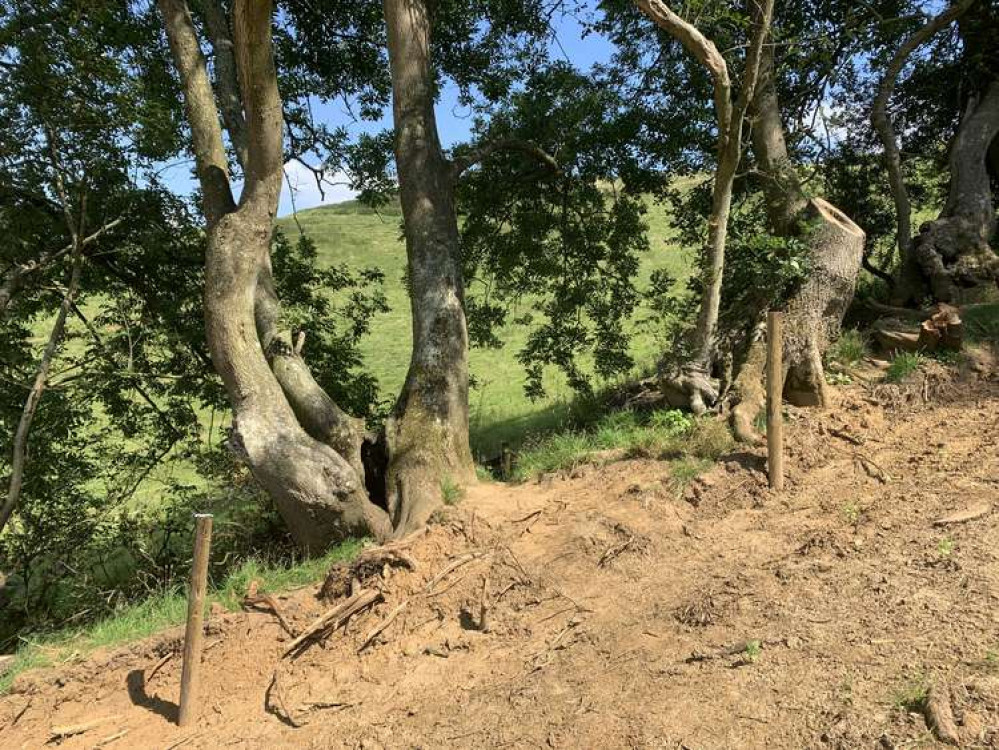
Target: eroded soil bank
[[623, 612]]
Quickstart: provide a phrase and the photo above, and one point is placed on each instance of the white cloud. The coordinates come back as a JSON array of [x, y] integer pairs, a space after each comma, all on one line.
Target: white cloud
[[300, 185]]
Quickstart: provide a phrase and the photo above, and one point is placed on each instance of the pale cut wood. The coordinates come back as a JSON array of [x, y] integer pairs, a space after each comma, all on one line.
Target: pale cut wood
[[970, 513], [775, 387], [71, 730], [194, 636]]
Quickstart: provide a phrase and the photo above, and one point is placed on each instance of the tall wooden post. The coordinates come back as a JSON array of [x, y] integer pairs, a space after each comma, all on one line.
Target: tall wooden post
[[194, 636], [775, 389]]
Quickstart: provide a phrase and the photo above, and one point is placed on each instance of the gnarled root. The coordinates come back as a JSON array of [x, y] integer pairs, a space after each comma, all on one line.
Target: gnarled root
[[690, 388]]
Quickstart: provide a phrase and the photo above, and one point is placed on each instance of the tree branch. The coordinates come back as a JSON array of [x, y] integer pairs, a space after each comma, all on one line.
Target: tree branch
[[882, 122], [202, 113], [14, 278], [480, 153], [226, 77], [702, 48], [261, 103]]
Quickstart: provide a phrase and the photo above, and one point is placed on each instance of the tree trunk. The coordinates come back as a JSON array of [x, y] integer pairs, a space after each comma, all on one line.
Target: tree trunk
[[886, 130], [951, 256], [319, 492], [427, 435], [836, 245]]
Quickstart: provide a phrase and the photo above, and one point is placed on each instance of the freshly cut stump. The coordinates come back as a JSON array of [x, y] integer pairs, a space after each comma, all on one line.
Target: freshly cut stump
[[815, 313]]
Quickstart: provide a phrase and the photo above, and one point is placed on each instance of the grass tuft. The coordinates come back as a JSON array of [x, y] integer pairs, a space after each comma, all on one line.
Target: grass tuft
[[849, 350], [902, 366], [912, 695], [451, 492]]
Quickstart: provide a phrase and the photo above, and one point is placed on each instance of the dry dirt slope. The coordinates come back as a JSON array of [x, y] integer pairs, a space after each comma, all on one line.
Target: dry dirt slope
[[619, 612]]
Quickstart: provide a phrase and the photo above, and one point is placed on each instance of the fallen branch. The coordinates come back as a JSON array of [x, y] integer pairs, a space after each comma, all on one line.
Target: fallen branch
[[872, 468], [335, 617], [159, 665], [253, 600], [614, 551], [453, 566], [274, 688], [382, 626], [962, 516], [71, 730], [110, 738]]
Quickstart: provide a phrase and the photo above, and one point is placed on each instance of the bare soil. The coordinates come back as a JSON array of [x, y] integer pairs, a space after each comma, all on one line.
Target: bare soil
[[626, 612]]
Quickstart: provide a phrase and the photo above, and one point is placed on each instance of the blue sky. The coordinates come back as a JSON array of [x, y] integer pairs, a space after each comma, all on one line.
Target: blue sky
[[453, 121]]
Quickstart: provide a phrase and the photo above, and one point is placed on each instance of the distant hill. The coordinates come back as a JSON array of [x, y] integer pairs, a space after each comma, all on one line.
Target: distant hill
[[355, 234]]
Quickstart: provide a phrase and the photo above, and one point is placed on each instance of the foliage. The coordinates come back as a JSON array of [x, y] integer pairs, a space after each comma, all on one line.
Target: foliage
[[563, 242]]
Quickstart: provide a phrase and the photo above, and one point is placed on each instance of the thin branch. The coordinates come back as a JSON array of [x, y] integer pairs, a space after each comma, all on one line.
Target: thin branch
[[479, 154], [14, 278], [20, 447], [202, 112]]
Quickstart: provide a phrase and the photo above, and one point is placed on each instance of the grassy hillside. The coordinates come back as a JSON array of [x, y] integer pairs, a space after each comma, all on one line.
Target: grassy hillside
[[356, 235]]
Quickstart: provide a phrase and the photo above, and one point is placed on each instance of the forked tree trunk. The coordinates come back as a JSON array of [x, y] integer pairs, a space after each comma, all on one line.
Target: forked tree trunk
[[427, 436], [318, 491], [836, 245], [951, 256]]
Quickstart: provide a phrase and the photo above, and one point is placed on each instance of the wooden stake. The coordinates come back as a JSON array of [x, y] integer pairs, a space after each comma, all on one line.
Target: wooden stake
[[775, 389], [189, 679]]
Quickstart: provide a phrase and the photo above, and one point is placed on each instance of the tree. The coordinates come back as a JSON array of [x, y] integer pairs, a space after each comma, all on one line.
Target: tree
[[694, 380], [302, 448], [951, 256], [427, 435], [815, 309]]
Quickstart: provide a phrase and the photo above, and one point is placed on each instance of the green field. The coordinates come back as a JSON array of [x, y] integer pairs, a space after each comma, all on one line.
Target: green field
[[353, 234]]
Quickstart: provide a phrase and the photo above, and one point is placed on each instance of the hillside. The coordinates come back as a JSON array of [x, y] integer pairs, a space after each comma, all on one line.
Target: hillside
[[847, 612], [353, 234]]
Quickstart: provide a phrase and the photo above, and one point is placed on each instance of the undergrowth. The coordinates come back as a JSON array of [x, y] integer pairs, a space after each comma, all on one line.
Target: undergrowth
[[167, 608], [849, 350], [668, 434], [902, 366]]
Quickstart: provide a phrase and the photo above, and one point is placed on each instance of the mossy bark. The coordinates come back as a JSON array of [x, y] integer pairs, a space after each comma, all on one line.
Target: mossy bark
[[427, 436]]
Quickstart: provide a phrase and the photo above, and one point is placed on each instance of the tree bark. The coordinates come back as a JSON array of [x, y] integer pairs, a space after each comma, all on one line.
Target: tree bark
[[951, 255], [427, 435], [318, 491], [694, 381], [815, 311], [882, 122]]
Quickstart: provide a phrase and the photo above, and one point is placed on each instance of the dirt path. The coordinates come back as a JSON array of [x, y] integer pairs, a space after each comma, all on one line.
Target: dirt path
[[623, 615]]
